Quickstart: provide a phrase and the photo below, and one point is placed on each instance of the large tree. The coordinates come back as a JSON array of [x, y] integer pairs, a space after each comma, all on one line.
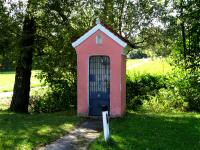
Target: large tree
[[20, 99]]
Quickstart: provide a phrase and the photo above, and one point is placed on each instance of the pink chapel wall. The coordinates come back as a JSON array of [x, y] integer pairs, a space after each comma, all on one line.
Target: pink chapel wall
[[117, 83]]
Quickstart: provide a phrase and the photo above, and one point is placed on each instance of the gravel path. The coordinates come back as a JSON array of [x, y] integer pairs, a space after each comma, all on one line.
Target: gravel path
[[6, 94], [9, 94], [79, 138]]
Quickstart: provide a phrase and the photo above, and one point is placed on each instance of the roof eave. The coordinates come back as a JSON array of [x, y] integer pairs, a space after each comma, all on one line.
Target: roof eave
[[93, 30]]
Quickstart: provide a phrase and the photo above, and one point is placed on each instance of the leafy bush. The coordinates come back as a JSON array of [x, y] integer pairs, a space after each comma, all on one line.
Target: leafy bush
[[180, 91], [141, 87], [186, 84], [137, 54], [59, 97], [164, 101], [58, 70]]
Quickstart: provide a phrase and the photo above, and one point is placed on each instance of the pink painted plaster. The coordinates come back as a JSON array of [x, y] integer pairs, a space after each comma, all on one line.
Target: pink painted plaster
[[118, 73]]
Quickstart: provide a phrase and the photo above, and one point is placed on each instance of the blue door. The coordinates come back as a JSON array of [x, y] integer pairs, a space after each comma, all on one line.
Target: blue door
[[99, 84]]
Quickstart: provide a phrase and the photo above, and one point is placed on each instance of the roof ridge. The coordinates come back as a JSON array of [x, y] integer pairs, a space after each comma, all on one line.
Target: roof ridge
[[108, 31]]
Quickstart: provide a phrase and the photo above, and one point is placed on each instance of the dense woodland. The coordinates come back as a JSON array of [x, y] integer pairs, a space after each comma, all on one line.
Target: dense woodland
[[37, 34]]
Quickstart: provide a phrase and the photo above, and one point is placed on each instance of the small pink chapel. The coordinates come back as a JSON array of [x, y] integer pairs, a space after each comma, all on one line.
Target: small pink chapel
[[101, 67]]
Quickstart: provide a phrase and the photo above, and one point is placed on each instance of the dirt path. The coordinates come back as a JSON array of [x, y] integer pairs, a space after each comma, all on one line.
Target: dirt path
[[79, 138]]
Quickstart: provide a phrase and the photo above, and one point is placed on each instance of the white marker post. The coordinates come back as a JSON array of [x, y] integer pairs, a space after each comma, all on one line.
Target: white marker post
[[105, 122]]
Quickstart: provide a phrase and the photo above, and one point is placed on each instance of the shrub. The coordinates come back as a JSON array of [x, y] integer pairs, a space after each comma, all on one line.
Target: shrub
[[164, 101], [193, 93], [141, 87], [186, 85], [59, 97], [178, 90], [137, 54]]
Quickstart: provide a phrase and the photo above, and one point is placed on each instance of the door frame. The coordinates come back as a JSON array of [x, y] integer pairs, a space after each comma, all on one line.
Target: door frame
[[89, 84]]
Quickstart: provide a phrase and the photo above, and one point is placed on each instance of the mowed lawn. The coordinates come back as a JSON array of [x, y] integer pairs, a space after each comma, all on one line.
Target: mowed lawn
[[28, 131], [7, 80], [151, 131], [152, 66]]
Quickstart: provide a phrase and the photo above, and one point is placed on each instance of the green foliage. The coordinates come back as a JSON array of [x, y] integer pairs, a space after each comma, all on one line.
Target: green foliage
[[178, 91], [186, 54], [185, 85], [193, 95], [141, 87], [153, 131], [164, 101], [158, 41], [9, 38], [55, 56], [137, 54], [60, 97], [186, 28]]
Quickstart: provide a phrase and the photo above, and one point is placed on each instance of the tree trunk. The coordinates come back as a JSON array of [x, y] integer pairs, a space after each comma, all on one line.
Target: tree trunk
[[20, 99]]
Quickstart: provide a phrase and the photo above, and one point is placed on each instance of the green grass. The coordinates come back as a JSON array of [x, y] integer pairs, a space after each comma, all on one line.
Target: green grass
[[130, 62], [27, 131], [151, 131], [7, 80], [156, 66]]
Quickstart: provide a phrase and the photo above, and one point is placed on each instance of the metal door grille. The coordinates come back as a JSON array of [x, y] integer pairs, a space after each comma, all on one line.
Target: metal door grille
[[99, 83]]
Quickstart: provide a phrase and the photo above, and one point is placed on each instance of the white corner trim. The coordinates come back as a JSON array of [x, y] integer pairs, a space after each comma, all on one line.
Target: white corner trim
[[93, 30]]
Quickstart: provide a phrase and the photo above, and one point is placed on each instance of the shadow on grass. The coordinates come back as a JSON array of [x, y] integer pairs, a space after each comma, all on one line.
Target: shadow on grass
[[153, 131], [26, 131]]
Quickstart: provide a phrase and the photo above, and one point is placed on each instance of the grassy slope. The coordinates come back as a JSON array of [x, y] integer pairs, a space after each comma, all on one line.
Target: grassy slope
[[152, 131], [25, 131], [7, 80], [130, 62], [156, 66]]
